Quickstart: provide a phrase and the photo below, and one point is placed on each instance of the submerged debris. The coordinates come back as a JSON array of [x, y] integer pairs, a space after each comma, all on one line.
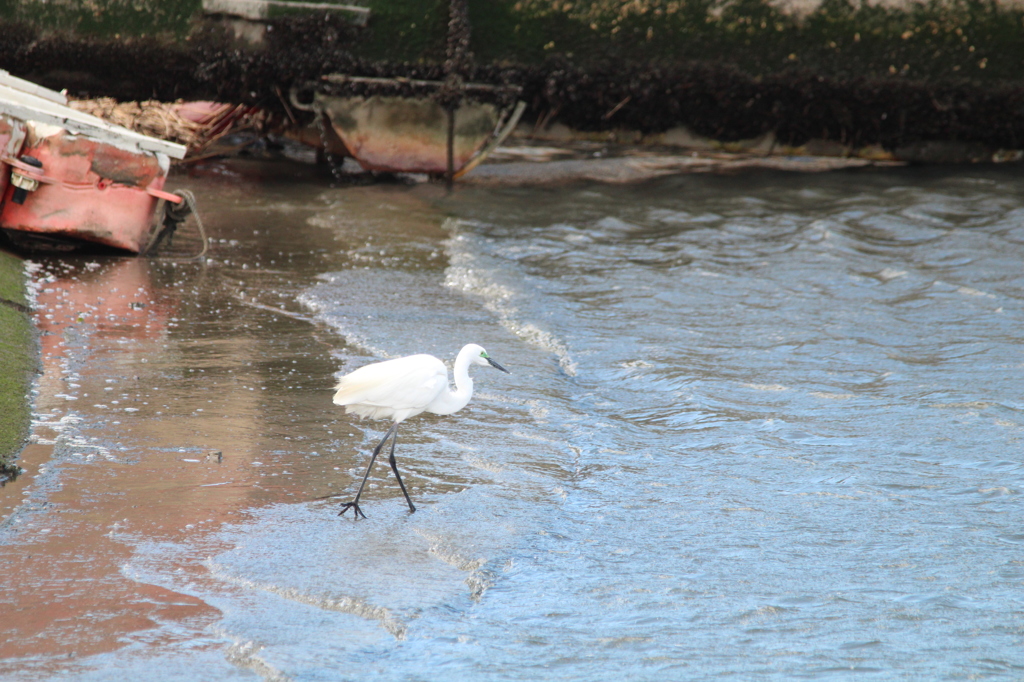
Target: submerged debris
[[196, 125]]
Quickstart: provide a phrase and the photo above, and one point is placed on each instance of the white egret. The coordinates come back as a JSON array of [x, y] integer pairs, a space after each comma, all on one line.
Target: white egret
[[402, 388]]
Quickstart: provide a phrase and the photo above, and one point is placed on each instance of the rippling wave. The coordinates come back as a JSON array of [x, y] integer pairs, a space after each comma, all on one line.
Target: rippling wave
[[781, 412]]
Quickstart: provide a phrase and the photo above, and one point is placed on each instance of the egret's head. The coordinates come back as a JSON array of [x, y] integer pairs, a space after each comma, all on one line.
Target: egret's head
[[480, 357]]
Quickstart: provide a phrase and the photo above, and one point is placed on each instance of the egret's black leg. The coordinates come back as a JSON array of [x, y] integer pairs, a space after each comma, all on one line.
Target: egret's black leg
[[394, 467], [354, 505]]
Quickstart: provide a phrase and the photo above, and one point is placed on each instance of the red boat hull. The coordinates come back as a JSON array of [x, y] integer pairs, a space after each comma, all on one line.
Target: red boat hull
[[93, 192]]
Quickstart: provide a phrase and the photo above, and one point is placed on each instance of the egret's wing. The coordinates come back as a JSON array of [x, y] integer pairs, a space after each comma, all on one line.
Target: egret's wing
[[399, 385]]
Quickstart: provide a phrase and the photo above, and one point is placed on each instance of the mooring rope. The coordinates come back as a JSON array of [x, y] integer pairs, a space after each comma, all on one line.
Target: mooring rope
[[174, 215], [190, 199]]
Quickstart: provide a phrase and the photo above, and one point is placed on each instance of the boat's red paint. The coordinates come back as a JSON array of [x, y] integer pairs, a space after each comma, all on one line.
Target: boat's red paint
[[92, 191]]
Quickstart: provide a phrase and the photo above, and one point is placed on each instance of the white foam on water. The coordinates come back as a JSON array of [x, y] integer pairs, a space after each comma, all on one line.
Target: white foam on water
[[473, 272], [321, 309]]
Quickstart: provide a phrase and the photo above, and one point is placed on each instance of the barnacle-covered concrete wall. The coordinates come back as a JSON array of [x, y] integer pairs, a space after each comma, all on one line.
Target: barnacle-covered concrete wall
[[840, 75]]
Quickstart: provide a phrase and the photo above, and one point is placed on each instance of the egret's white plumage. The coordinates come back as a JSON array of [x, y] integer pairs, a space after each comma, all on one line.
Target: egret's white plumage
[[398, 389], [402, 388]]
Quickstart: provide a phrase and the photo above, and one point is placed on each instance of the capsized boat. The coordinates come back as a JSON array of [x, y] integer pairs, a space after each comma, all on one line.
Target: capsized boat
[[68, 178], [409, 134]]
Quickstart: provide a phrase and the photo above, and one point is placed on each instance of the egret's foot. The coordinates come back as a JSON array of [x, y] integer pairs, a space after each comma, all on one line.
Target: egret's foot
[[353, 506]]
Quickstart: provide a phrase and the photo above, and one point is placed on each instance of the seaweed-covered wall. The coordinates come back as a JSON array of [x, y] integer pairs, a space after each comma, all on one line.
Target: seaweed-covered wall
[[974, 40], [852, 73], [938, 39], [104, 17]]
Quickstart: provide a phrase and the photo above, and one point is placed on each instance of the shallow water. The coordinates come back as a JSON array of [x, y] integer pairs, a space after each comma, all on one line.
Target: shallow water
[[760, 427]]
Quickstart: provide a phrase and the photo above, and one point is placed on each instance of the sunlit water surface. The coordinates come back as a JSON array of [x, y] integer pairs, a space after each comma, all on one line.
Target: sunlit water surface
[[757, 427]]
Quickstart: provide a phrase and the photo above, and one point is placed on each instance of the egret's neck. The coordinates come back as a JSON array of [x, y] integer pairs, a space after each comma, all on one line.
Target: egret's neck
[[452, 401]]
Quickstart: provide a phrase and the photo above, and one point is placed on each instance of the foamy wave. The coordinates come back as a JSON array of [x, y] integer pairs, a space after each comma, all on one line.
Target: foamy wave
[[344, 604], [467, 273], [353, 339]]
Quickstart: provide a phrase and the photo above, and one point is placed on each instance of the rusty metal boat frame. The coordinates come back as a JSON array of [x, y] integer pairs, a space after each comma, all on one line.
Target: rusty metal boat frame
[[410, 134]]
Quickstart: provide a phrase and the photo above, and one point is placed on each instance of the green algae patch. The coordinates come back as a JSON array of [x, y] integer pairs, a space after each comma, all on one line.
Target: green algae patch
[[18, 363], [936, 40], [136, 18]]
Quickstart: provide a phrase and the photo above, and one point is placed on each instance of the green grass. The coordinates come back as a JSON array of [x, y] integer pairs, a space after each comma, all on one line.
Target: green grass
[[18, 361], [12, 279]]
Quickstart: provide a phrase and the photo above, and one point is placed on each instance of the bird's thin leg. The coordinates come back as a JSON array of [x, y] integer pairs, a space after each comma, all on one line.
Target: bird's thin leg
[[394, 467], [354, 505]]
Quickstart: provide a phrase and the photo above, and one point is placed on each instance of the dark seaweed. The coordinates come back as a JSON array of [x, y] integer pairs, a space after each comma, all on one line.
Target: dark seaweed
[[727, 98]]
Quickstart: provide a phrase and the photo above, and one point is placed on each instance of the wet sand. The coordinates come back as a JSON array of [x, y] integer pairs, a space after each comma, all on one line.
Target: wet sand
[[150, 424]]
